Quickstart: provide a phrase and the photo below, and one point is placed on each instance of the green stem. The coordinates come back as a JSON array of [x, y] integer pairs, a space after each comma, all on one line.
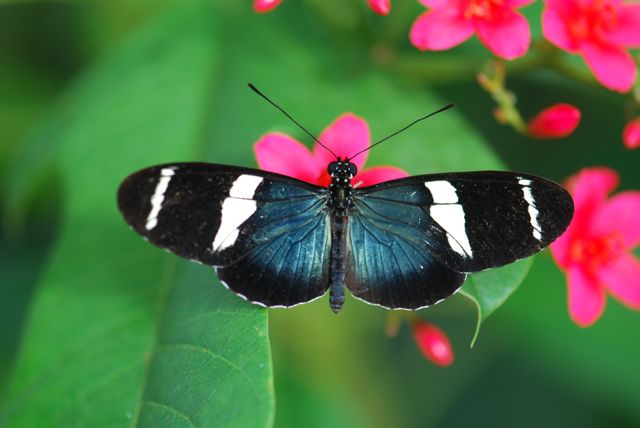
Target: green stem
[[446, 67], [492, 79]]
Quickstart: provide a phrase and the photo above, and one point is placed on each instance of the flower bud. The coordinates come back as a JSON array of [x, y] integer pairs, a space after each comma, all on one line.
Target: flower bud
[[557, 121], [264, 6], [381, 7], [433, 343], [631, 134]]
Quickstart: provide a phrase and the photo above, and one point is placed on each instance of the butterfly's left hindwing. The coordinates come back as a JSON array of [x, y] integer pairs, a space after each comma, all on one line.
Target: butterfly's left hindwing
[[265, 233]]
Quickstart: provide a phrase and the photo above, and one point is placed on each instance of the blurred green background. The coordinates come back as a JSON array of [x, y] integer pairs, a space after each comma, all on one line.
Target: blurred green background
[[93, 90]]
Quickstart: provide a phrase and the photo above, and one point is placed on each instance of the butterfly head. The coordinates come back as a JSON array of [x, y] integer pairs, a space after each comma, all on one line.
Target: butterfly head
[[342, 170]]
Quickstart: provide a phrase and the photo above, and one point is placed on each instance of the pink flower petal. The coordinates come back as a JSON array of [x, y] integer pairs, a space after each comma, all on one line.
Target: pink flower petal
[[280, 153], [589, 189], [378, 174], [555, 29], [619, 215], [506, 34], [586, 297], [263, 6], [381, 7], [622, 279], [440, 29], [440, 3], [517, 3], [612, 65], [346, 136], [627, 32], [568, 9], [561, 247]]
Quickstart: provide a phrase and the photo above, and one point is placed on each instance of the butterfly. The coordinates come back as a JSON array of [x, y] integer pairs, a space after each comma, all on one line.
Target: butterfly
[[408, 243]]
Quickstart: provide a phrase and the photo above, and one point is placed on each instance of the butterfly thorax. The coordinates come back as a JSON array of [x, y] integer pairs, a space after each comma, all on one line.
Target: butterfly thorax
[[340, 190]]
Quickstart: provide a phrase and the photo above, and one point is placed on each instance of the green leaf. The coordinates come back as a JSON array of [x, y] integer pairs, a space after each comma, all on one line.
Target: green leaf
[[491, 288], [122, 334]]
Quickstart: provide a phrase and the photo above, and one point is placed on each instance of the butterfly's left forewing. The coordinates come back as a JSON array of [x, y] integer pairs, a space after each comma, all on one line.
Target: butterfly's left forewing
[[266, 234], [412, 239]]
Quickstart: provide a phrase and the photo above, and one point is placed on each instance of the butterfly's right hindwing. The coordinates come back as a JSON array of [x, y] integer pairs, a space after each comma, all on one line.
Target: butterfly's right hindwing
[[265, 233]]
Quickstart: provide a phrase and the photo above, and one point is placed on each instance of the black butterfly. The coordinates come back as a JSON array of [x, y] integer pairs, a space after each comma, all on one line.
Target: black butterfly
[[402, 244]]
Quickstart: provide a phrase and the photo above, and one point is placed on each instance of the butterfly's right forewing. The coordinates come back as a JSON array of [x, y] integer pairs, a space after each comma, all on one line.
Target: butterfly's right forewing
[[266, 234]]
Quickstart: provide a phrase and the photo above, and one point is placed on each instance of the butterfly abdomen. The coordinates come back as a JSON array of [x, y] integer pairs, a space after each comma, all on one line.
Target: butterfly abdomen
[[339, 204], [337, 267]]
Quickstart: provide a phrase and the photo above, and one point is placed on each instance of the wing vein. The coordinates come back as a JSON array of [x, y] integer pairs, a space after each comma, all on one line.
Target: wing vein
[[386, 217]]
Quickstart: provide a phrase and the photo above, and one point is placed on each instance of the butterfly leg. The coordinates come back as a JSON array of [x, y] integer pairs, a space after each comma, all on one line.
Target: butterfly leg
[[338, 257]]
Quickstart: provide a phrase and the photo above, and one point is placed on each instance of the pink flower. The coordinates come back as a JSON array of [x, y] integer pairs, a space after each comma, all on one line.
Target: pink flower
[[596, 250], [433, 343], [631, 134], [264, 6], [557, 121], [346, 136], [381, 7], [598, 30], [448, 23]]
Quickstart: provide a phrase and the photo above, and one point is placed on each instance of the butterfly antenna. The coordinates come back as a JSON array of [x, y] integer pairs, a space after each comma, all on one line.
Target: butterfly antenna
[[447, 107], [257, 91]]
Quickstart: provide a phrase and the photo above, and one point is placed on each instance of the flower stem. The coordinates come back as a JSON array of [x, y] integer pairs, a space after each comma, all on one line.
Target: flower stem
[[492, 79]]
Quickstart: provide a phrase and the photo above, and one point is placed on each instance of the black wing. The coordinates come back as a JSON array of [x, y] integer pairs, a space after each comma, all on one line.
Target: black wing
[[412, 240], [266, 234]]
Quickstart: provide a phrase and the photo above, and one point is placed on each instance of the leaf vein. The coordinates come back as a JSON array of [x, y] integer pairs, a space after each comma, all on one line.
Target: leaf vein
[[172, 409], [213, 355]]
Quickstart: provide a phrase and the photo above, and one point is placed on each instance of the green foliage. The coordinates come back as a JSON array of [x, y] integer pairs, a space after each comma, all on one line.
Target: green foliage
[[598, 364], [122, 333], [491, 288]]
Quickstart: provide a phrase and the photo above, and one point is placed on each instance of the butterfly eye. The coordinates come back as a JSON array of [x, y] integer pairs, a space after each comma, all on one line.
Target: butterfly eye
[[332, 168], [352, 169]]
